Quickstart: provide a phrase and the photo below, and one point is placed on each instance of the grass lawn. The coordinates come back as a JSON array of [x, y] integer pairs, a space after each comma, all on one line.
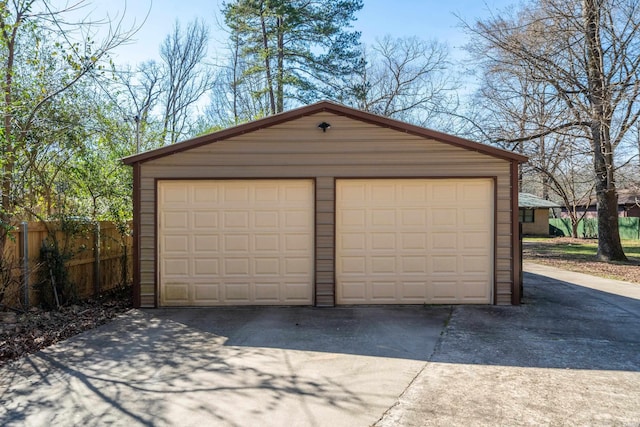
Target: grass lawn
[[579, 255]]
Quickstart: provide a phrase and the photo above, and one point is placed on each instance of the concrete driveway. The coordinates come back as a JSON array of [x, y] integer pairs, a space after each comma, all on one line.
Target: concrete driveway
[[569, 356], [228, 367]]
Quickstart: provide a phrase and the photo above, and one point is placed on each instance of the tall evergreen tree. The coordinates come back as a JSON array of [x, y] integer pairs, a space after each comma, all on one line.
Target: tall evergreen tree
[[301, 49]]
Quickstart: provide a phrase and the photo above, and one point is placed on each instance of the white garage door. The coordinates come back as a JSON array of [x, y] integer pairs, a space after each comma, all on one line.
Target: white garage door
[[414, 241], [235, 242]]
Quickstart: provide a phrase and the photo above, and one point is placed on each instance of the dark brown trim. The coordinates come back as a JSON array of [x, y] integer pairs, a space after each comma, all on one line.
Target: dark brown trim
[[516, 251], [335, 240], [314, 278], [495, 240], [324, 106], [156, 245], [136, 290]]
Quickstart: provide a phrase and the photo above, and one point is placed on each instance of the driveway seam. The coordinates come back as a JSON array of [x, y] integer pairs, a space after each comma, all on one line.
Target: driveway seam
[[445, 327]]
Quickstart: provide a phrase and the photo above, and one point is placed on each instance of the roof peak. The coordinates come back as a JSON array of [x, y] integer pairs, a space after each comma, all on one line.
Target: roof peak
[[324, 106]]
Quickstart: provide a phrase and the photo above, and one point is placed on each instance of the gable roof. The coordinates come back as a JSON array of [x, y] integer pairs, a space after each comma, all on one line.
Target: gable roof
[[526, 200], [331, 107]]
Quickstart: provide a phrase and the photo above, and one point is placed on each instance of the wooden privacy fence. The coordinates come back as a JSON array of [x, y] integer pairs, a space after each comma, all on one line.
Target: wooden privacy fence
[[98, 257]]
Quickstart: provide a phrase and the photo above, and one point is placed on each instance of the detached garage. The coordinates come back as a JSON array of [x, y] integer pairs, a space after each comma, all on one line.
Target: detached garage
[[325, 205]]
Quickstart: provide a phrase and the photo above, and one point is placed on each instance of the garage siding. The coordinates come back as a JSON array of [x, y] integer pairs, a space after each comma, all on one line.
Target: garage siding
[[349, 149]]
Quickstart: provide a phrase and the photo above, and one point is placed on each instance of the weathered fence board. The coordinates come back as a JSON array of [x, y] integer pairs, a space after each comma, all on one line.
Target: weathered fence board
[[97, 262]]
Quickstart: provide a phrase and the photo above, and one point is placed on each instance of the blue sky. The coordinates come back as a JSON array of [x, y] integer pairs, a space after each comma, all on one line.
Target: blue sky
[[427, 19]]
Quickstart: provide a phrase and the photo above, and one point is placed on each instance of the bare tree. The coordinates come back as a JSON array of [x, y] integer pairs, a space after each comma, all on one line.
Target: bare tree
[[405, 78], [186, 78], [232, 99], [587, 54]]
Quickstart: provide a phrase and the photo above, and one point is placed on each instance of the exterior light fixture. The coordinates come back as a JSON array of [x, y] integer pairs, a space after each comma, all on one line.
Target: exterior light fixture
[[324, 126]]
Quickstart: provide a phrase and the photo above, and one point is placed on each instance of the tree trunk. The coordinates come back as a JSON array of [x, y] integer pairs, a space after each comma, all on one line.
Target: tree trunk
[[8, 146], [609, 245], [280, 71], [267, 64]]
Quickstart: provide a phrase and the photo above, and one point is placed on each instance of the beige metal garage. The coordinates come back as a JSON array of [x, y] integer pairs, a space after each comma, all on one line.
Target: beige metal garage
[[325, 205]]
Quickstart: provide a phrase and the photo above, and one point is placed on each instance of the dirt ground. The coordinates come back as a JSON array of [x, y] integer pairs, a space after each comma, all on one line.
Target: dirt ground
[[557, 252], [23, 333]]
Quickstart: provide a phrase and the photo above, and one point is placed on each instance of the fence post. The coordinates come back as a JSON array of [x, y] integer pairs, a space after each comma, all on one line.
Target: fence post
[[96, 259], [25, 262]]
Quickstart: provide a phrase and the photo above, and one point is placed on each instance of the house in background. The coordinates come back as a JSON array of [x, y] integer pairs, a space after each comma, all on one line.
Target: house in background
[[628, 205], [534, 214]]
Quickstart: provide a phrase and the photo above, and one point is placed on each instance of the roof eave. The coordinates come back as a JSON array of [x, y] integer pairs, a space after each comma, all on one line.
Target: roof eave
[[324, 106]]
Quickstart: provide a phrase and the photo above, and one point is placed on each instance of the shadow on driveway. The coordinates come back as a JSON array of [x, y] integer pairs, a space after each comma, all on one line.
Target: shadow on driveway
[[232, 367], [560, 325]]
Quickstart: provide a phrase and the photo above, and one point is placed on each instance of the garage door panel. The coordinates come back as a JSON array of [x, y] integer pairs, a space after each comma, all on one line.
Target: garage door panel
[[443, 192], [447, 264], [443, 217], [352, 292], [205, 220], [421, 242], [413, 242], [381, 217], [444, 241], [414, 217], [267, 292], [205, 196], [206, 267], [383, 291], [236, 192], [296, 219], [206, 293], [296, 292], [206, 243], [236, 267], [177, 244], [176, 267], [268, 243], [414, 291], [444, 290], [413, 193], [354, 217], [297, 242], [474, 240], [473, 289], [266, 220], [414, 264], [176, 220], [237, 293], [177, 292], [381, 264], [383, 241], [474, 218], [351, 265], [235, 242], [296, 266], [175, 196], [266, 267], [475, 264], [238, 220]]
